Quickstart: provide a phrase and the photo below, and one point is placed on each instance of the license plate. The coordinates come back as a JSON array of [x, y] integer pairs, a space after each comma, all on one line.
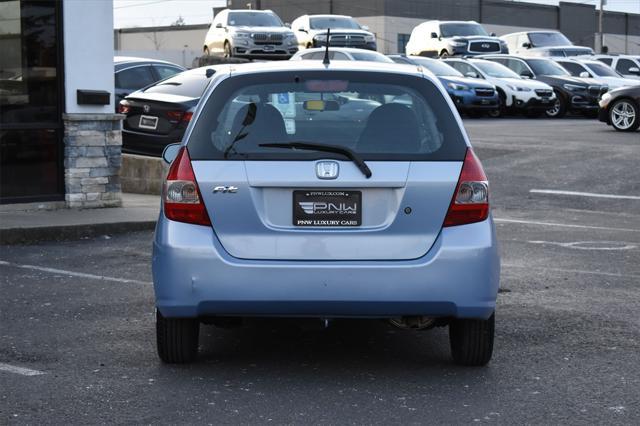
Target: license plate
[[486, 101], [148, 122], [268, 48], [327, 208]]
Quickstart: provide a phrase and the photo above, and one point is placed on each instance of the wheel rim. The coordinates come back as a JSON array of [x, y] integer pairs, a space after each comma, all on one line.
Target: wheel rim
[[623, 115], [552, 112]]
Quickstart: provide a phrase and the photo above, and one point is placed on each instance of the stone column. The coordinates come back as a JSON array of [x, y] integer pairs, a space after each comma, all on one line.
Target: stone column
[[92, 160]]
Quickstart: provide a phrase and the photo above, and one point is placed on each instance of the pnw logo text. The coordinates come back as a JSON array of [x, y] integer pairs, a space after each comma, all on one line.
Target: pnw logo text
[[321, 208]]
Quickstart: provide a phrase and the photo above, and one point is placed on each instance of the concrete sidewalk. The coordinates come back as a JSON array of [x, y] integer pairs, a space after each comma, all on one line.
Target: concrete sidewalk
[[138, 212]]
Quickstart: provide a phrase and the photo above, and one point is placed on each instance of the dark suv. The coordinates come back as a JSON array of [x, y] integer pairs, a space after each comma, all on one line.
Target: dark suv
[[575, 94]]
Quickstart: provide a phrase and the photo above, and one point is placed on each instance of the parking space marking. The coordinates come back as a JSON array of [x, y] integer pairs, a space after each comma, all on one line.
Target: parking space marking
[[584, 194], [570, 271], [590, 245], [565, 225], [19, 370], [73, 273]]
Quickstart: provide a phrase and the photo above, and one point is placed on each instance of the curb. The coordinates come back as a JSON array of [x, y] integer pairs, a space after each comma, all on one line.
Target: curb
[[14, 236]]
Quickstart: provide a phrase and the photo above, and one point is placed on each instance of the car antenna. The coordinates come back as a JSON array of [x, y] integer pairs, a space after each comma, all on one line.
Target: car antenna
[[325, 61]]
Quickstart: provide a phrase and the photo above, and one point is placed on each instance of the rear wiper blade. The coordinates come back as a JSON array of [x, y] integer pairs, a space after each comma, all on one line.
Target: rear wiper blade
[[325, 148]]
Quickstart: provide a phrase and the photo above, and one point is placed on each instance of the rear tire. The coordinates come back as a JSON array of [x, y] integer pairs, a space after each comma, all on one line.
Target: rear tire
[[624, 115], [471, 341], [444, 54], [177, 339], [228, 53]]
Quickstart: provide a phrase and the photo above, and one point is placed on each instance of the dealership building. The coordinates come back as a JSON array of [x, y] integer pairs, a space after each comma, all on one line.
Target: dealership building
[[60, 141]]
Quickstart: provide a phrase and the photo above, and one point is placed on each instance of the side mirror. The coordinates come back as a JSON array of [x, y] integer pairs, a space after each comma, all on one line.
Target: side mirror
[[287, 24], [634, 70], [170, 152], [526, 45], [585, 74], [303, 30], [434, 35], [471, 74], [492, 34], [365, 27], [526, 74], [219, 25], [209, 72]]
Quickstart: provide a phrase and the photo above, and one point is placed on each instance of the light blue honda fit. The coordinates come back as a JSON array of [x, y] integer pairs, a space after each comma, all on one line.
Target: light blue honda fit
[[341, 190]]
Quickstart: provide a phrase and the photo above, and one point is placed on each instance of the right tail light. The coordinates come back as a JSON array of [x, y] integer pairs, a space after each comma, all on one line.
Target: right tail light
[[470, 202]]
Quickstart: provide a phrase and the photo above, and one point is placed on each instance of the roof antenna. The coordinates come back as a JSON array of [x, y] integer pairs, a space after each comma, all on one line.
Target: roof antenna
[[325, 61]]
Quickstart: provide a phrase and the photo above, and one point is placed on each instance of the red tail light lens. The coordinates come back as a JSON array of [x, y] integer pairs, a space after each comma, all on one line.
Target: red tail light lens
[[175, 115], [470, 202], [181, 195], [187, 116], [124, 107]]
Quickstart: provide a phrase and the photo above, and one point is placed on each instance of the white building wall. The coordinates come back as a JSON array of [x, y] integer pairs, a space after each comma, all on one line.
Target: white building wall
[[88, 52]]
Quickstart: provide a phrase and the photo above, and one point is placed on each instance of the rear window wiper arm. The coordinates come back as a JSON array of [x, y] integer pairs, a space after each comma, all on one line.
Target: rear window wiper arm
[[362, 166]]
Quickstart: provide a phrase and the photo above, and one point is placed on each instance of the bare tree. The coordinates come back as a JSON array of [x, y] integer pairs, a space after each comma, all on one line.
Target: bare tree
[[155, 37]]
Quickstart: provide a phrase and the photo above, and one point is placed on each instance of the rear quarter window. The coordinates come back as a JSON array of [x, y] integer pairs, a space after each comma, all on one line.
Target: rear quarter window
[[381, 116]]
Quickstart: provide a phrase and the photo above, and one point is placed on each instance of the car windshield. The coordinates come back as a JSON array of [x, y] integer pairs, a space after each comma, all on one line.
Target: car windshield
[[379, 116], [337, 22], [438, 68], [602, 70], [253, 19], [545, 39], [462, 29], [370, 56], [496, 70], [546, 67], [190, 84]]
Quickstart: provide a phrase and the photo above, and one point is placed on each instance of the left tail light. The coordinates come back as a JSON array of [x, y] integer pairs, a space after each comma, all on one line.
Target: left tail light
[[123, 107], [181, 195]]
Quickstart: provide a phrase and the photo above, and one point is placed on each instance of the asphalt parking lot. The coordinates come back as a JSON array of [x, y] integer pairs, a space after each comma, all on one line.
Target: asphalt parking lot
[[78, 316]]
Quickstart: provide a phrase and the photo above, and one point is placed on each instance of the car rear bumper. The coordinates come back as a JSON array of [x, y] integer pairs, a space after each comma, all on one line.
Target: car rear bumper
[[195, 277], [148, 144]]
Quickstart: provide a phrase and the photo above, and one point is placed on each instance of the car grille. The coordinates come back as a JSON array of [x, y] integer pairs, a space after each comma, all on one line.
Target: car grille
[[484, 46], [484, 92], [347, 40], [544, 93], [267, 38]]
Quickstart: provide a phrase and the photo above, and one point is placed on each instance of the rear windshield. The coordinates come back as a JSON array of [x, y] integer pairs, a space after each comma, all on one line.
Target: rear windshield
[[333, 22], [380, 116], [190, 84], [370, 56]]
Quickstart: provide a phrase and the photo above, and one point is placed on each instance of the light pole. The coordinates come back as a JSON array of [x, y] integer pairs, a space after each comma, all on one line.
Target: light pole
[[601, 34]]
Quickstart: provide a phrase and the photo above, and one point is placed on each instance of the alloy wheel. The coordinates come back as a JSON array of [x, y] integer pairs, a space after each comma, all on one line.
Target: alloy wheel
[[623, 115], [553, 111]]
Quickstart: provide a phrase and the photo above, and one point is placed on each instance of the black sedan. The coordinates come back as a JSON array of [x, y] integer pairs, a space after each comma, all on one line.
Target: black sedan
[[158, 115], [620, 108], [133, 74]]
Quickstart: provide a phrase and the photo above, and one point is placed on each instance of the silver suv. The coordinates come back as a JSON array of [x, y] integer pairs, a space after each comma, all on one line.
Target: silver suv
[[251, 34]]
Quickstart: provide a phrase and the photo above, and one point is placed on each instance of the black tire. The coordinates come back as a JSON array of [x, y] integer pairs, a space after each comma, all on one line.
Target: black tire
[[502, 106], [444, 54], [628, 106], [559, 110], [177, 339], [206, 51], [228, 53], [471, 341]]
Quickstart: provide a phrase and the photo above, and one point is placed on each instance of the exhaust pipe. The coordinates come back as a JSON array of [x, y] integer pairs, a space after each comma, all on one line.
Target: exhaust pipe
[[413, 322]]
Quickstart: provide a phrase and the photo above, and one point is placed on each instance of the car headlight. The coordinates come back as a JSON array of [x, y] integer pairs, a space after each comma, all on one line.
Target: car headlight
[[320, 37], [606, 97], [456, 86], [458, 43], [572, 87], [369, 38], [519, 89], [241, 35]]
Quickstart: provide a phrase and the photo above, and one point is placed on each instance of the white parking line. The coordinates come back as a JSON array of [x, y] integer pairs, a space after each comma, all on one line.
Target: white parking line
[[565, 225], [73, 273], [570, 271], [584, 194], [19, 370]]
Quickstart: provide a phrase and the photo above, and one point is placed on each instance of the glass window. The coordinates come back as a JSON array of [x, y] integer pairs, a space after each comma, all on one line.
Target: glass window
[[546, 67], [403, 39], [464, 68], [166, 71], [495, 70], [602, 70], [461, 29], [517, 66], [545, 39], [189, 83], [437, 67], [574, 68], [380, 116], [623, 66], [370, 56], [607, 61], [134, 78], [337, 22], [253, 19]]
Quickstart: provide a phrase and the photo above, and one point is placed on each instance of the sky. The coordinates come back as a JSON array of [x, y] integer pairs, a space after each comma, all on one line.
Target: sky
[[144, 13]]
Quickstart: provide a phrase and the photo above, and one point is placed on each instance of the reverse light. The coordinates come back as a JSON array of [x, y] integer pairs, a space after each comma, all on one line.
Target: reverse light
[[470, 202], [181, 195]]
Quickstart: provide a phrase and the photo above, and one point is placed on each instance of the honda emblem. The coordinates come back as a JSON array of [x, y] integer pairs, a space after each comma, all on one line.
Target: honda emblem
[[327, 169]]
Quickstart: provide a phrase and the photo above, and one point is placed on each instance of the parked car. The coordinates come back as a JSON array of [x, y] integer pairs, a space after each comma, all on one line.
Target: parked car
[[516, 94], [159, 114], [380, 213], [573, 94], [132, 74], [620, 108], [470, 95], [250, 34], [597, 70], [341, 54], [626, 65], [453, 38], [311, 31], [543, 43]]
